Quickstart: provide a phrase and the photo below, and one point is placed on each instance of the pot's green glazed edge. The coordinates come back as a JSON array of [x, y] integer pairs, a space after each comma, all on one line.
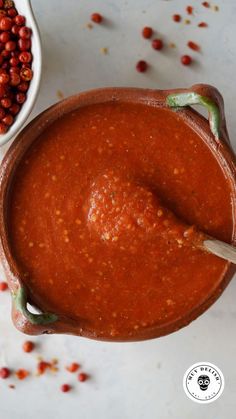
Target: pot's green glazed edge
[[20, 303], [176, 100]]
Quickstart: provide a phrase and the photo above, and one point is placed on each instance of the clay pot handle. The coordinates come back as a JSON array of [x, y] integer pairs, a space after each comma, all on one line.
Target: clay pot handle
[[20, 305], [207, 96]]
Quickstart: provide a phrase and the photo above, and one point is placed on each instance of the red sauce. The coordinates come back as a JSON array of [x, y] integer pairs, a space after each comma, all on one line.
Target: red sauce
[[89, 222]]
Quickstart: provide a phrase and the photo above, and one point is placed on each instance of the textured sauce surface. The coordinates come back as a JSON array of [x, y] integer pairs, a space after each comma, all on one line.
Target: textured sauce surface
[[88, 223]]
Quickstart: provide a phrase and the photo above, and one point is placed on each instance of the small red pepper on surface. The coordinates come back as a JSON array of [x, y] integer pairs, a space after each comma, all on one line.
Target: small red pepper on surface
[[202, 25], [192, 45], [147, 32], [176, 18], [82, 377], [141, 66], [96, 18], [186, 60], [42, 367], [4, 373], [21, 374], [157, 44], [65, 388], [189, 10], [73, 367], [206, 4], [28, 346]]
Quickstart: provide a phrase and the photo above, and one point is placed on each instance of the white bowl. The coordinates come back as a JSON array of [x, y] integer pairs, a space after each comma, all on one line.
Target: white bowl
[[24, 8]]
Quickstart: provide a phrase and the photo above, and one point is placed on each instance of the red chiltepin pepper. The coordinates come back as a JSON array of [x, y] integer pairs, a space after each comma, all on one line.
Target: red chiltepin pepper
[[141, 66], [186, 60], [189, 10], [147, 32], [28, 346], [73, 367], [176, 18], [192, 45], [96, 18], [4, 373], [65, 388], [82, 377]]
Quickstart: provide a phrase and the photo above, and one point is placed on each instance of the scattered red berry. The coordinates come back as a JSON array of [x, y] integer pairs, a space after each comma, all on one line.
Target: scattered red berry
[[28, 346], [15, 29], [5, 66], [26, 74], [15, 108], [8, 120], [15, 79], [25, 57], [22, 87], [147, 32], [22, 374], [10, 46], [20, 98], [3, 128], [202, 25], [3, 90], [3, 285], [157, 44], [141, 66], [96, 18], [73, 367], [14, 70], [65, 388], [6, 102], [192, 45], [186, 60], [19, 20], [4, 373], [24, 44], [12, 12], [82, 377], [25, 33], [42, 367], [14, 61], [6, 54], [5, 37], [6, 23], [189, 10], [206, 4], [4, 78], [176, 18]]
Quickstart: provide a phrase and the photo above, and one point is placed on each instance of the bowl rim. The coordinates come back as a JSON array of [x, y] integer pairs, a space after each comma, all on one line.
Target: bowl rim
[[222, 152]]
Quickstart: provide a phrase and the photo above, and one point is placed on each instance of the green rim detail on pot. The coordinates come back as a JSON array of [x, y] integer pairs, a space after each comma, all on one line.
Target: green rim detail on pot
[[185, 99], [20, 301]]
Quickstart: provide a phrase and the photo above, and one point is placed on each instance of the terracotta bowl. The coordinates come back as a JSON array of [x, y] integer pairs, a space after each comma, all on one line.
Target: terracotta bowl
[[212, 132]]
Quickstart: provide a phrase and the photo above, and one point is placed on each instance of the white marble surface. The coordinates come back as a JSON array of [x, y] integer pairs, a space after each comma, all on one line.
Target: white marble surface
[[138, 380]]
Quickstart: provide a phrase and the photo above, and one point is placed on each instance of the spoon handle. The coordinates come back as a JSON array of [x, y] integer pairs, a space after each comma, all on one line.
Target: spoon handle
[[221, 249]]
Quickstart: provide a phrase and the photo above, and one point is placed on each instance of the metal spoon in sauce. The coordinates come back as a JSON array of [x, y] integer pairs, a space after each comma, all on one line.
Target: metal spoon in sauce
[[221, 249], [24, 8]]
